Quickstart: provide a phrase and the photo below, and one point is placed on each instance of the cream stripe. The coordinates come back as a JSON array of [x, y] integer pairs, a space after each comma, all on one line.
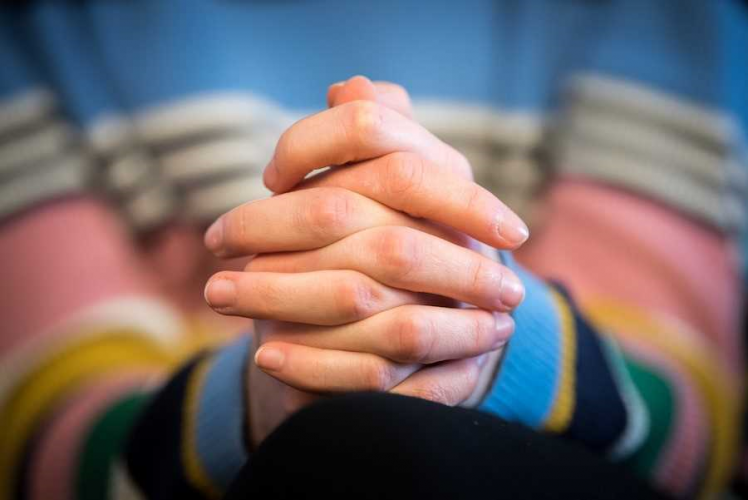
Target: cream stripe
[[469, 122], [69, 174], [146, 317], [650, 179], [122, 487], [651, 104], [205, 159], [44, 145], [23, 108], [637, 417], [643, 139], [205, 112], [214, 199]]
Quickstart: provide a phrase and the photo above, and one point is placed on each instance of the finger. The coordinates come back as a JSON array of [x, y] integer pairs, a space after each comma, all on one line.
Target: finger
[[353, 89], [388, 94], [315, 298], [352, 132], [304, 220], [408, 334], [449, 383], [395, 97], [329, 371], [404, 258], [407, 183]]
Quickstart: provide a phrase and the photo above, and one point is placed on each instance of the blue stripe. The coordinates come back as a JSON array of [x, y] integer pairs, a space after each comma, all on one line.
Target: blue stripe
[[526, 384], [221, 415]]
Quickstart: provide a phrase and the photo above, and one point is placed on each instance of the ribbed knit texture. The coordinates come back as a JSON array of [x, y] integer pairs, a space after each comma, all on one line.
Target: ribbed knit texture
[[633, 386], [526, 386]]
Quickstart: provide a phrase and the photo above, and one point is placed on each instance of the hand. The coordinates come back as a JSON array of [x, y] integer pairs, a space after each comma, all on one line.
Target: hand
[[377, 336]]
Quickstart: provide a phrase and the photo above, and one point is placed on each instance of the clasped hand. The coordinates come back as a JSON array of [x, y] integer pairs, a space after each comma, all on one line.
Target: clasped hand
[[377, 274]]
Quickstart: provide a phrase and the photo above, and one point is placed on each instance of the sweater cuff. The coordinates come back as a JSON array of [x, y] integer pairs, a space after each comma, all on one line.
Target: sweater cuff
[[526, 384], [219, 439]]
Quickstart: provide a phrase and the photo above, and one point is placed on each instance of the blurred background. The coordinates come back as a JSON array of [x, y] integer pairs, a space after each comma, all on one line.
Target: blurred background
[[127, 127]]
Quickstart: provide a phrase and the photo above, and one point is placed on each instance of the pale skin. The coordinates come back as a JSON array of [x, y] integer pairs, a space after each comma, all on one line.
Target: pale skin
[[374, 275]]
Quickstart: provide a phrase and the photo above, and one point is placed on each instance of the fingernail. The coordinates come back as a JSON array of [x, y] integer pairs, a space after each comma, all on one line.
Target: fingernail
[[512, 292], [512, 229], [271, 175], [269, 358], [214, 236], [338, 84], [220, 293], [504, 328]]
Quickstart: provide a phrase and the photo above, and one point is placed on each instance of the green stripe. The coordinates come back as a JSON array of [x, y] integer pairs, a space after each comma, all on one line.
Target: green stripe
[[103, 442], [659, 400]]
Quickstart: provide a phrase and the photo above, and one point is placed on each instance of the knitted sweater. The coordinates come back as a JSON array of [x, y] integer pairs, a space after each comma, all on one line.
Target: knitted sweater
[[142, 103], [102, 412]]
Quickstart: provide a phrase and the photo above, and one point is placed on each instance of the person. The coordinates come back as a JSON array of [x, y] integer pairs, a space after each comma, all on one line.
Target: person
[[645, 371]]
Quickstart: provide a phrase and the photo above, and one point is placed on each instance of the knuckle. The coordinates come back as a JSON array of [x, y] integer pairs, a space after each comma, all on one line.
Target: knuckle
[[378, 376], [364, 121], [331, 210], [284, 148], [396, 251], [356, 297], [403, 173], [415, 338], [234, 229]]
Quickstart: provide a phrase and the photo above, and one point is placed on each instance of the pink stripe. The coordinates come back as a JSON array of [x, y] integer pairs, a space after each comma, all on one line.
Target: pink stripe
[[679, 462], [59, 258], [604, 242], [54, 465]]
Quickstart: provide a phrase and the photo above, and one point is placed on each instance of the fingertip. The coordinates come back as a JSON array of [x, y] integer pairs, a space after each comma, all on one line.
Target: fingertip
[[504, 326], [213, 238], [512, 291], [270, 358], [357, 88], [270, 177], [332, 92], [220, 292], [511, 229]]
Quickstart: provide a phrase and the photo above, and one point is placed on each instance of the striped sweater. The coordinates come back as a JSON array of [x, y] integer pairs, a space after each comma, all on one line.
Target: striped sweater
[[128, 413], [105, 99]]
